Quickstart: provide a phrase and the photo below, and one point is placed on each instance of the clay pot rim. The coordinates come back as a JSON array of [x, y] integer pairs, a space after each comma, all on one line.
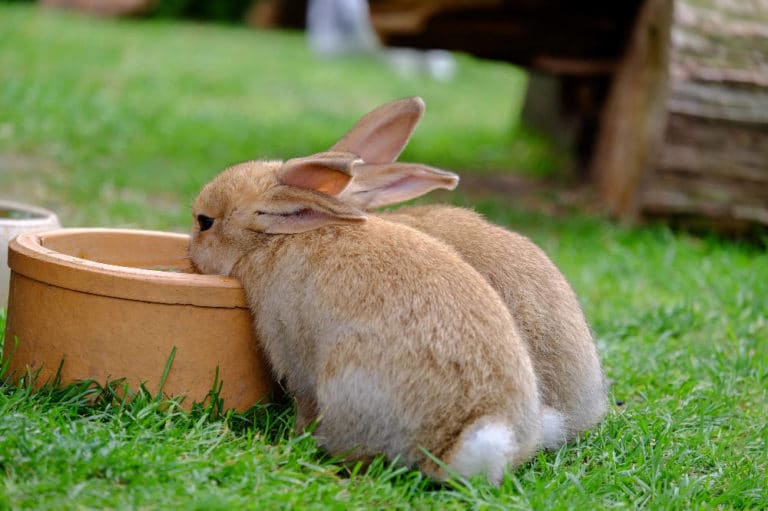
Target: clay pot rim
[[28, 256], [42, 217]]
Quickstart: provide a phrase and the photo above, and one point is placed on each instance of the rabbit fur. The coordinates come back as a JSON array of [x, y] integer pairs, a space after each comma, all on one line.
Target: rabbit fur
[[384, 335], [539, 297]]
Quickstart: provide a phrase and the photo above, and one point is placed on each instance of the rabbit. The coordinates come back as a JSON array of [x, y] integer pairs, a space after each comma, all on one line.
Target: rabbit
[[565, 359], [385, 336]]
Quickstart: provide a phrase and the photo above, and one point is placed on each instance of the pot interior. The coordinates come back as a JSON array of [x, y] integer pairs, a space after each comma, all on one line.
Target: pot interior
[[19, 214], [135, 249]]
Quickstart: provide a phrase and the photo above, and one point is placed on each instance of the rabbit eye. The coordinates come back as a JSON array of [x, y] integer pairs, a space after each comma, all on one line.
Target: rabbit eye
[[205, 222]]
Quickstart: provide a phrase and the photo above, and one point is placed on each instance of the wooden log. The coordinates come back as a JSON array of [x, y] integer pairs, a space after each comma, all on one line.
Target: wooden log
[[584, 36], [635, 113], [103, 7], [685, 130], [277, 14], [713, 160], [719, 60], [699, 147], [701, 172]]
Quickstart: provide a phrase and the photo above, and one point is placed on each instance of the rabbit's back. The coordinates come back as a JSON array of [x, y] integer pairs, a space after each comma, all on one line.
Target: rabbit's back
[[405, 344], [540, 299]]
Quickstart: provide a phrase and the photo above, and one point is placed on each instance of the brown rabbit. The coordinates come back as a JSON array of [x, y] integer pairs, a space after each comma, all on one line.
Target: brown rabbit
[[382, 333], [540, 299]]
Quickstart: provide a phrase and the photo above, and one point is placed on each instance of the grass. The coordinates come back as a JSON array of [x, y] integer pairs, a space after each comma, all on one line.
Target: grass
[[142, 114], [681, 321]]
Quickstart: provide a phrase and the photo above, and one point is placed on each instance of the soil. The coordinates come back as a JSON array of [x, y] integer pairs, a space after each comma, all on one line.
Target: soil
[[554, 197]]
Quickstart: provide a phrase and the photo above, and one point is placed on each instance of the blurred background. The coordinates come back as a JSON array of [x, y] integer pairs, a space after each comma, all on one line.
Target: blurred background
[[115, 112]]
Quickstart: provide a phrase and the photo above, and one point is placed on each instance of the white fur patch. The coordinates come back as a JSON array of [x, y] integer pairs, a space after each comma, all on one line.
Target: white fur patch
[[360, 409], [485, 448], [553, 428]]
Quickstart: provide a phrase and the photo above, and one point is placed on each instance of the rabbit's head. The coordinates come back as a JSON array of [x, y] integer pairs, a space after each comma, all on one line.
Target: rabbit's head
[[233, 212], [379, 138], [359, 172]]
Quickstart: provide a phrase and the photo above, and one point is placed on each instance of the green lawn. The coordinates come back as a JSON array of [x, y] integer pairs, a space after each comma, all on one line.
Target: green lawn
[[119, 123], [143, 113]]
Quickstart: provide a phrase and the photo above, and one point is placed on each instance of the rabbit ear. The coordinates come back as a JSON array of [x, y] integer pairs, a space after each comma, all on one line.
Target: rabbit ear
[[381, 135], [328, 172], [380, 185], [305, 201], [291, 210]]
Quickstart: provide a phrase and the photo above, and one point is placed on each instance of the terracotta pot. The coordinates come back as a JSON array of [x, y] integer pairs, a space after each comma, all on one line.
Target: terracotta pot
[[97, 299], [15, 219]]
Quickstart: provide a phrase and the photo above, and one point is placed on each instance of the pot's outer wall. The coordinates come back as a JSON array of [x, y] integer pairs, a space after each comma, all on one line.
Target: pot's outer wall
[[104, 337]]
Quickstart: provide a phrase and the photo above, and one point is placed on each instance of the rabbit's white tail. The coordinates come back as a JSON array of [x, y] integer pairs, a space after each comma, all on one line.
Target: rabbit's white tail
[[485, 448], [553, 433]]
